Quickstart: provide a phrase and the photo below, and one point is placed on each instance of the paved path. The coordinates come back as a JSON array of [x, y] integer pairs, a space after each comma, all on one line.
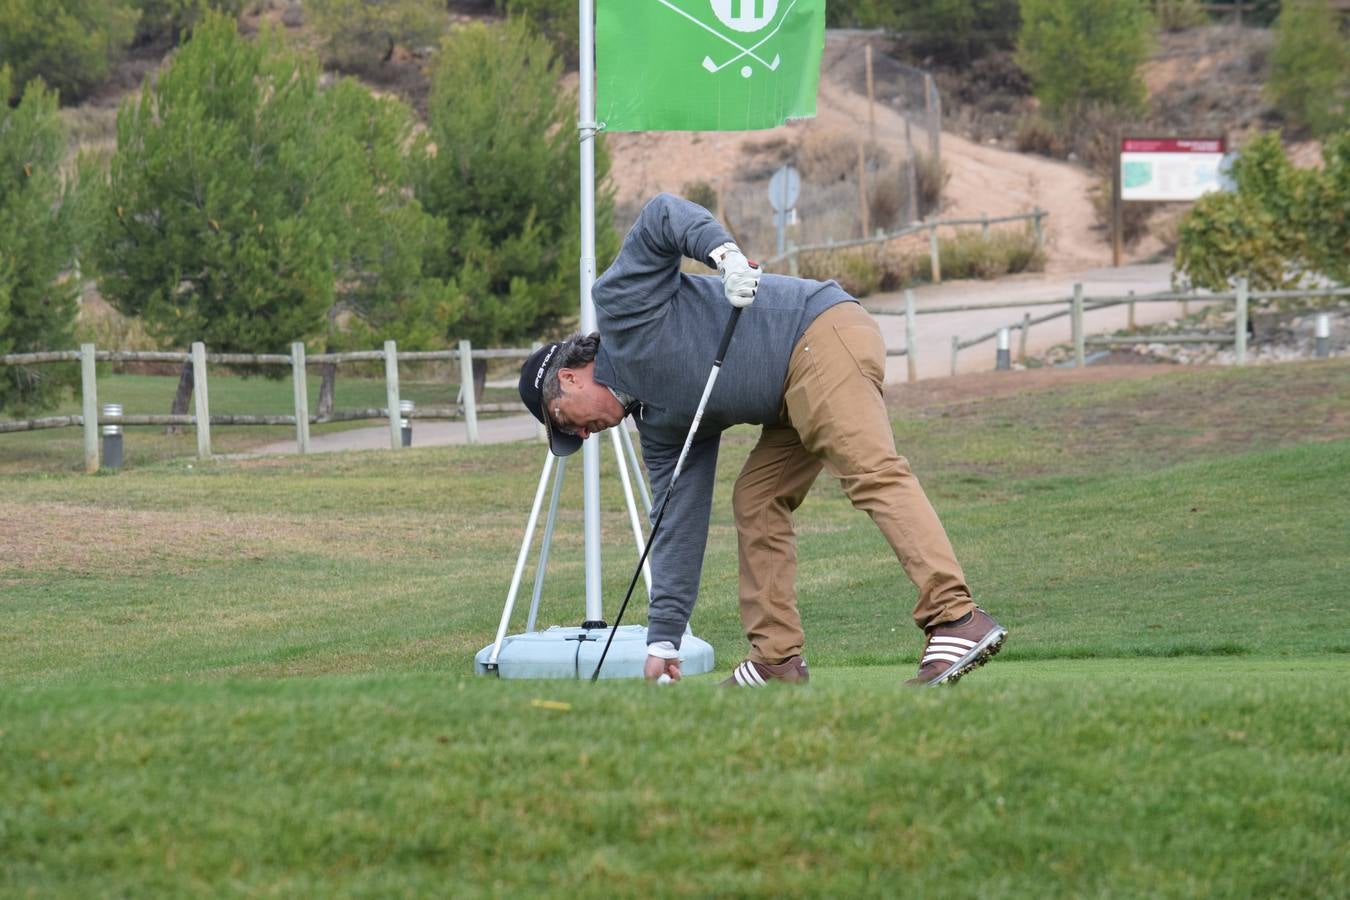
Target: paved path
[[426, 433], [936, 331], [935, 338]]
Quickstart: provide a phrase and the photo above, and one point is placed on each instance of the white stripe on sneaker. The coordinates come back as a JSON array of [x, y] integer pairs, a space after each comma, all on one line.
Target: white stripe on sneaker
[[748, 676], [946, 656], [951, 641]]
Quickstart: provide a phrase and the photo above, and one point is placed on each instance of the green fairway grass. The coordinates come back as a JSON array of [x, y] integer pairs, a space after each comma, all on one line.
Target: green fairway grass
[[255, 677]]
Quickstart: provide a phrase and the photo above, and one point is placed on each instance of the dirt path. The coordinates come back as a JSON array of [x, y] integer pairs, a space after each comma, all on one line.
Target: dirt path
[[983, 179]]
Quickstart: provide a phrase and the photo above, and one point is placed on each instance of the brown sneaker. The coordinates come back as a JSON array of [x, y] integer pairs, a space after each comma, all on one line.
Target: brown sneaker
[[955, 648], [756, 674]]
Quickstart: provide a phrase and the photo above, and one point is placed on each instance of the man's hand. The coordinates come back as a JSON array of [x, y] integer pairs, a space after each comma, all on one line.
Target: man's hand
[[656, 667], [740, 277]]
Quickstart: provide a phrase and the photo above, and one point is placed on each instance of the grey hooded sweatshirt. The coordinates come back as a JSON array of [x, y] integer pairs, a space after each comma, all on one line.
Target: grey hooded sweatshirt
[[659, 331]]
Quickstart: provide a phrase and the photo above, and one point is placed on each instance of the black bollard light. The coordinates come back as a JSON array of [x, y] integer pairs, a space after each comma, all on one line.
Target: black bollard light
[[405, 408], [112, 437]]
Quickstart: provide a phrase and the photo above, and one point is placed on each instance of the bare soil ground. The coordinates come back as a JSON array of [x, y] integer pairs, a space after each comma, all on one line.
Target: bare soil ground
[[984, 179]]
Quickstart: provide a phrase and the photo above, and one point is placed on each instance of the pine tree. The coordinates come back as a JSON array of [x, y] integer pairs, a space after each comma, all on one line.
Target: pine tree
[[70, 44], [241, 197], [37, 305], [1084, 52], [504, 181], [1310, 67]]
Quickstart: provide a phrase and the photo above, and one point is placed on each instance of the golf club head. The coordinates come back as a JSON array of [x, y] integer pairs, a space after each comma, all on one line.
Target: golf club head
[[773, 66], [709, 64]]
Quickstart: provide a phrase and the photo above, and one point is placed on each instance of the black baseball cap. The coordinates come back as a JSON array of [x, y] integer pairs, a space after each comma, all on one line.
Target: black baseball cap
[[532, 395]]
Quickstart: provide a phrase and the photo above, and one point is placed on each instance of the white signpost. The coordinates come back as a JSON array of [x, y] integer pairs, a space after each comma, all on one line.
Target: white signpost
[[1163, 170]]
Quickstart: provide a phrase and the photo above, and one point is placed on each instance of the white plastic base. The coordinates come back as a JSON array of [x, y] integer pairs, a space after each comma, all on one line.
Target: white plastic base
[[573, 653]]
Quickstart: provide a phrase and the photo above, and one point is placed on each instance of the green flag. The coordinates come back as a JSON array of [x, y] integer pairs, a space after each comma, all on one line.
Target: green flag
[[706, 65]]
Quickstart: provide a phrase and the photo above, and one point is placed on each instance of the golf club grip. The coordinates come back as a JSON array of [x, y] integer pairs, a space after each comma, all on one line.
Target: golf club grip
[[726, 336]]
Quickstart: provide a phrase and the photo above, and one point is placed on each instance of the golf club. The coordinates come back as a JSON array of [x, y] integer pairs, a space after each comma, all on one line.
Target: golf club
[[674, 475]]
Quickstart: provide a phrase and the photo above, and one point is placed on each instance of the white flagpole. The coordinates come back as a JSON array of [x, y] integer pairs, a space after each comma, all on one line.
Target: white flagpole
[[590, 453]]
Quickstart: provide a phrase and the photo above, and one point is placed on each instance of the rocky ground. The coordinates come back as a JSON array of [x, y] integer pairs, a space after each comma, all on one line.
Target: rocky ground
[[1276, 335]]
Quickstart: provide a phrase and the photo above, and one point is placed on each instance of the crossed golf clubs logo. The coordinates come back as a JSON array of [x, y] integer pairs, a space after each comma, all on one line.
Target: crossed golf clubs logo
[[744, 16]]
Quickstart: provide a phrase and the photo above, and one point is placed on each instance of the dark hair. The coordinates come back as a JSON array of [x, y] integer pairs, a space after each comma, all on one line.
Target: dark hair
[[577, 351]]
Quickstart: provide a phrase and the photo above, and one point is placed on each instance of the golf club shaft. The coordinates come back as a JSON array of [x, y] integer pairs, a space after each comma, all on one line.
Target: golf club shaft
[[674, 475]]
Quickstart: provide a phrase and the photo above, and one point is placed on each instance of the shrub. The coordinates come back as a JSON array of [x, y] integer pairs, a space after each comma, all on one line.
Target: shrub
[[359, 32], [932, 175], [1278, 227], [1080, 52], [37, 242], [702, 193], [175, 19], [1310, 67], [1179, 15], [69, 44], [968, 254], [859, 270], [555, 19]]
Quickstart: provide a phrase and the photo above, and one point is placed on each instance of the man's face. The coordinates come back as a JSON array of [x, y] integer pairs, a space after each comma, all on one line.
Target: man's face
[[586, 406]]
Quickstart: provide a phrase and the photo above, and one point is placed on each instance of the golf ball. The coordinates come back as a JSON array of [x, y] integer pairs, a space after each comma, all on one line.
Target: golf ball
[[665, 679]]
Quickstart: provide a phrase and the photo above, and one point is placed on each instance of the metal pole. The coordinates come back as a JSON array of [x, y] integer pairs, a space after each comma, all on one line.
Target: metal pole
[[956, 349], [1240, 324], [89, 394], [911, 337], [1022, 339], [520, 558], [1079, 351], [633, 519], [548, 542], [590, 450], [637, 469]]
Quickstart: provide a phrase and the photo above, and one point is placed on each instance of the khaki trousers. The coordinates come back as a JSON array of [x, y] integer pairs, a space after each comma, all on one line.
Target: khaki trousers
[[836, 419]]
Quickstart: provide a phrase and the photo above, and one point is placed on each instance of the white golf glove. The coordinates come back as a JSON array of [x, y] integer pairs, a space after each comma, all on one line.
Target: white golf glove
[[740, 277]]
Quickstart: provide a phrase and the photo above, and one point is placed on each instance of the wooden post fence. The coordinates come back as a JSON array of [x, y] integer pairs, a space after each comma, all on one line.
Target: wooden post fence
[[201, 401], [933, 251], [300, 383], [1240, 324], [391, 394], [1079, 354], [911, 338], [89, 395], [470, 398]]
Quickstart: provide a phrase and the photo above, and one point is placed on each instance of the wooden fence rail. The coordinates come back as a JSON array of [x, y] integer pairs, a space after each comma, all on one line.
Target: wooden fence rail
[[396, 412], [793, 254], [1078, 304]]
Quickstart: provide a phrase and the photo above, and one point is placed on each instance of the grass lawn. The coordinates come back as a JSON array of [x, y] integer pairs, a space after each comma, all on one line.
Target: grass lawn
[[255, 676]]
